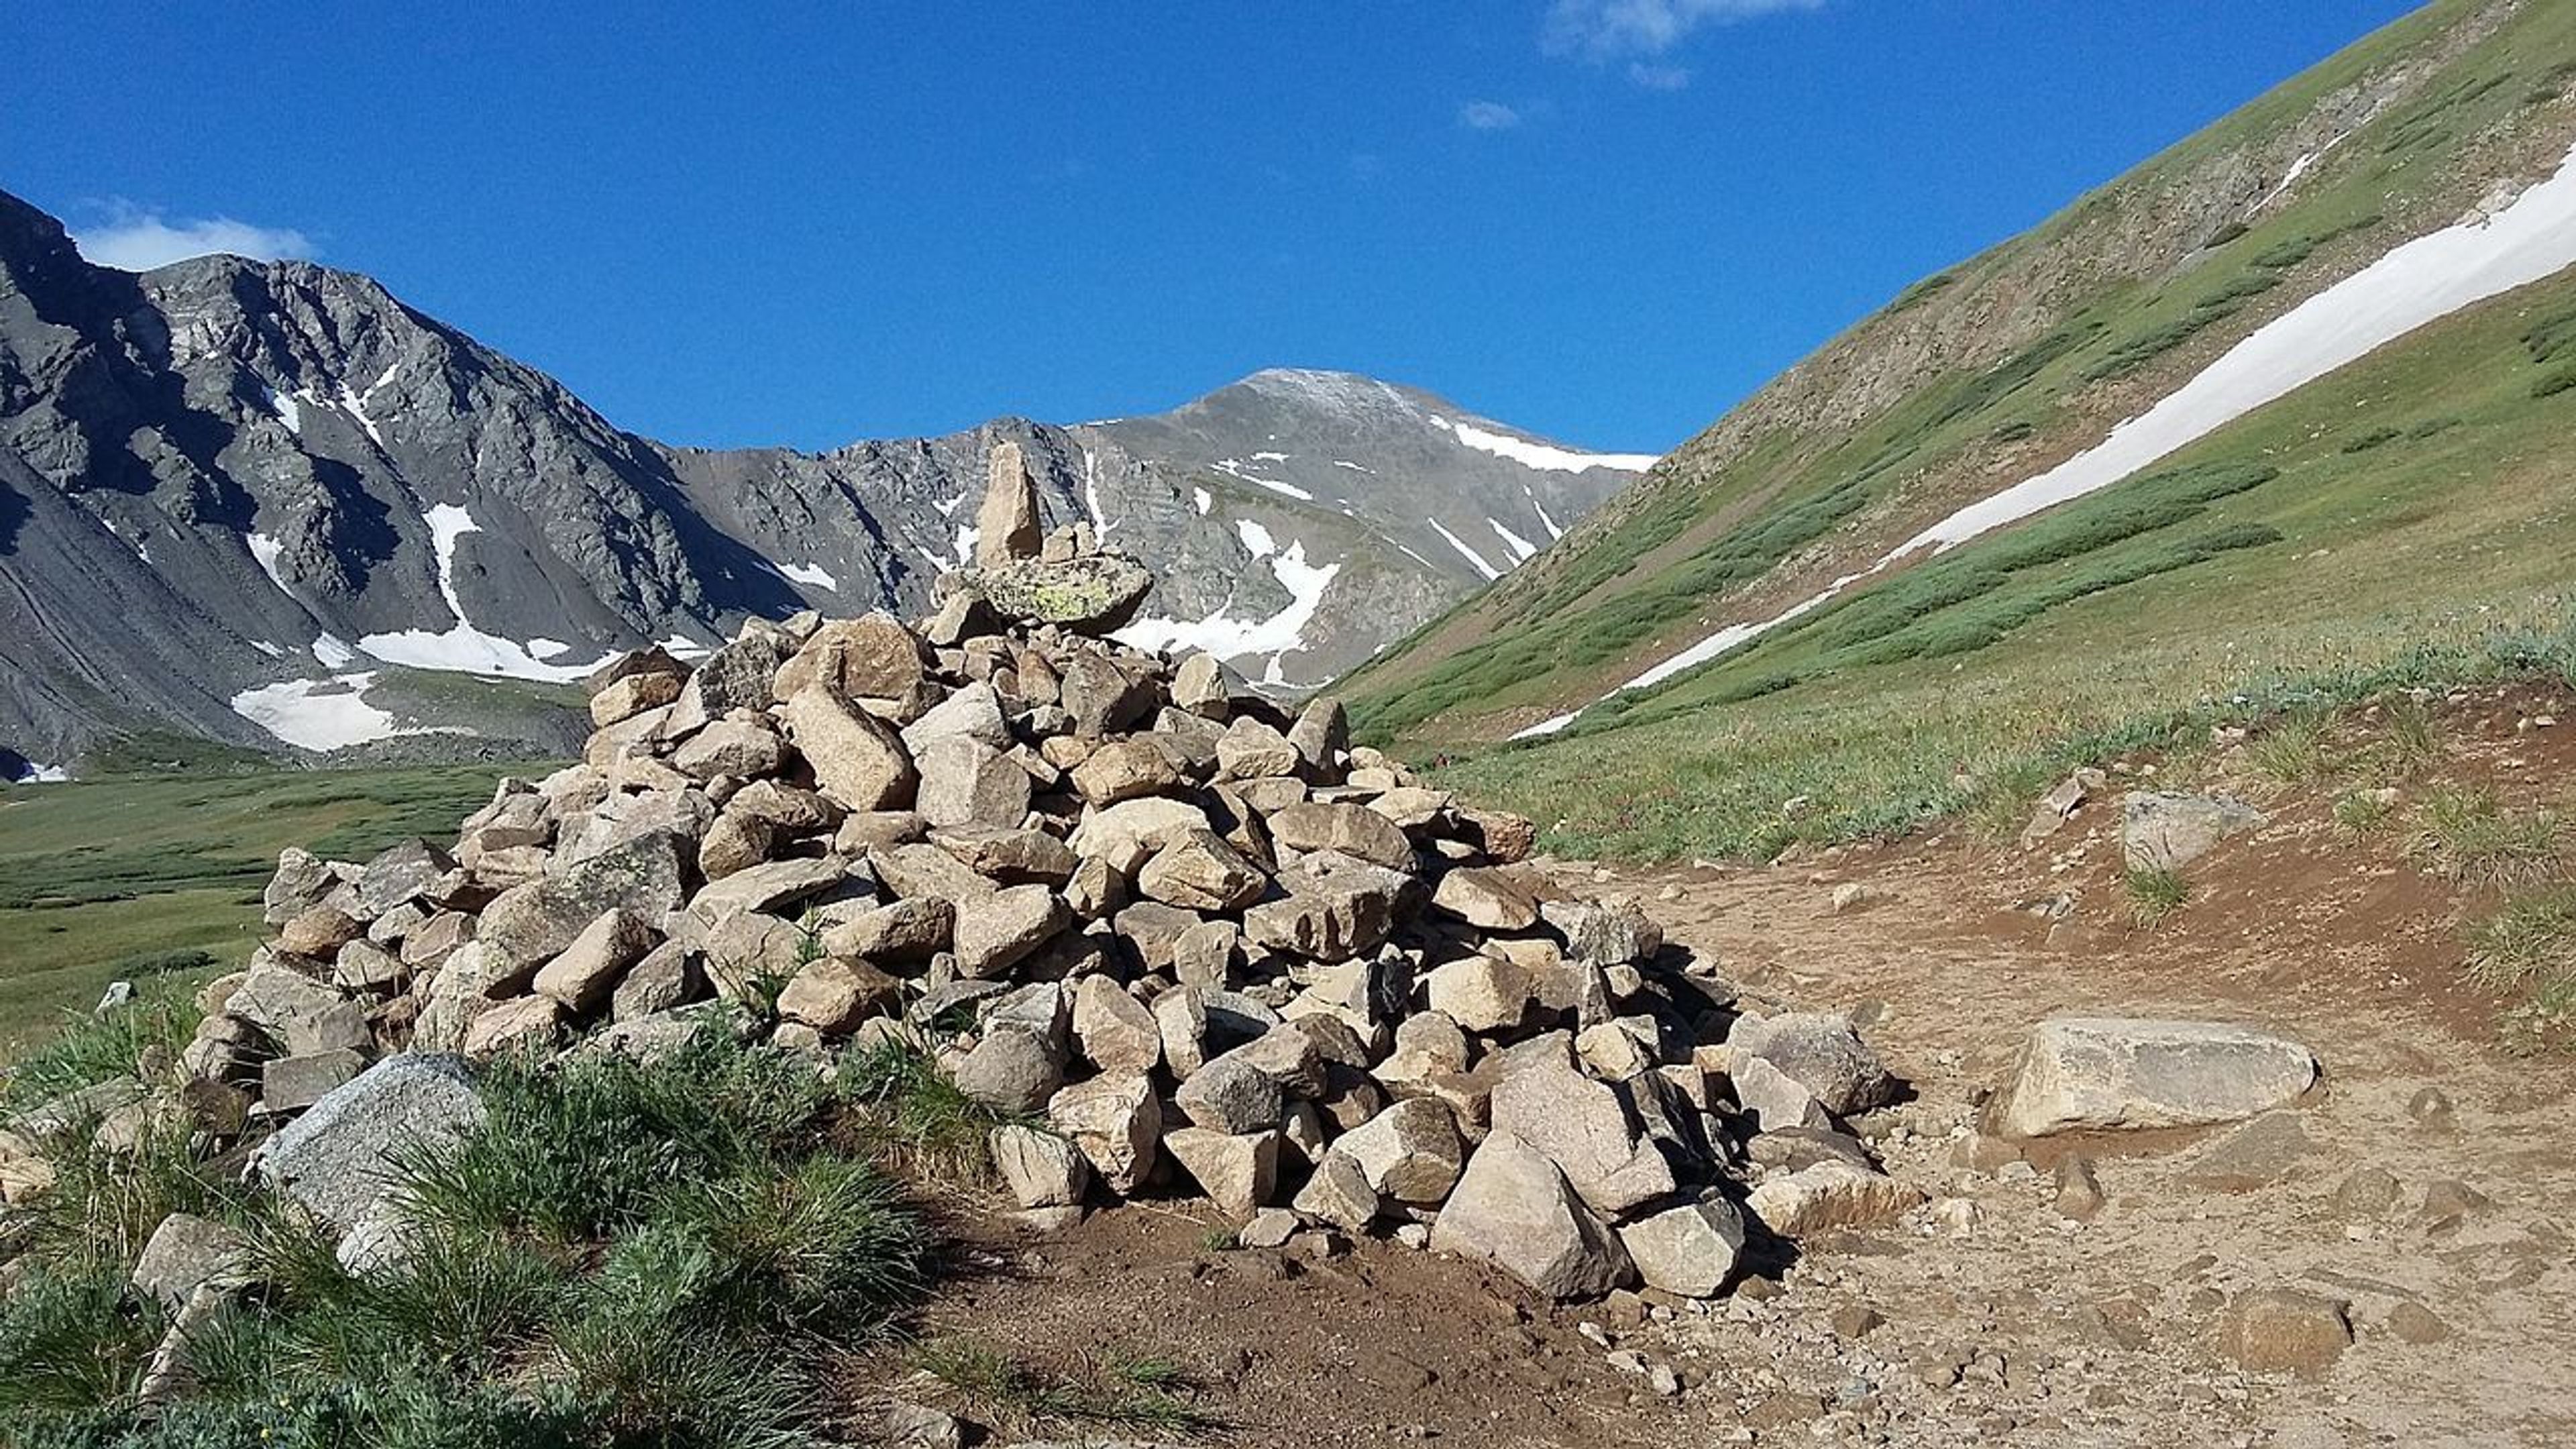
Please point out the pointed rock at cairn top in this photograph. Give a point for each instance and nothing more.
(1007, 525)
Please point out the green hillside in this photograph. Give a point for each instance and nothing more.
(2410, 513)
(148, 875)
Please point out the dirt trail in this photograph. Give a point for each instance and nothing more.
(1989, 1317)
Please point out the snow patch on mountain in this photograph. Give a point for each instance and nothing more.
(269, 553)
(1553, 532)
(1521, 547)
(814, 574)
(1474, 559)
(1230, 638)
(1545, 457)
(319, 714)
(2503, 246)
(333, 651)
(1203, 499)
(462, 649)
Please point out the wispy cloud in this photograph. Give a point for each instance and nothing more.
(1620, 29)
(1488, 116)
(138, 239)
(1659, 77)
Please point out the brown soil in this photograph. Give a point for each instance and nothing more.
(2003, 1322)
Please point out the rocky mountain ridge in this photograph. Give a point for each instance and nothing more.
(267, 504)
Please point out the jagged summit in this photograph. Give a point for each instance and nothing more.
(305, 492)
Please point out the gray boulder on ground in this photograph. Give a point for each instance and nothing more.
(2168, 832)
(1513, 1209)
(337, 1159)
(2109, 1072)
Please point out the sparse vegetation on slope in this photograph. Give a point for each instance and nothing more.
(2030, 352)
(622, 1254)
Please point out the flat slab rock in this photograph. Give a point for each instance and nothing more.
(337, 1159)
(2080, 1073)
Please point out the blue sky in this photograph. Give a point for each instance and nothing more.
(1602, 220)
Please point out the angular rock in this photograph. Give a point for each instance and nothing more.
(833, 994)
(1479, 993)
(531, 923)
(1411, 1152)
(2168, 832)
(1338, 1194)
(291, 1084)
(337, 1159)
(872, 657)
(967, 782)
(301, 1015)
(1250, 749)
(590, 968)
(1007, 856)
(1354, 830)
(747, 749)
(1116, 1122)
(1485, 898)
(1776, 1101)
(1830, 1194)
(1337, 907)
(1003, 928)
(667, 977)
(2109, 1072)
(1116, 1032)
(1513, 1208)
(1039, 1168)
(402, 872)
(1101, 697)
(858, 763)
(1240, 1174)
(529, 1023)
(186, 1253)
(974, 711)
(303, 881)
(1820, 1051)
(901, 932)
(1181, 1021)
(1604, 933)
(1006, 522)
(1690, 1250)
(1196, 870)
(1584, 1127)
(1322, 735)
(1230, 1095)
(1125, 770)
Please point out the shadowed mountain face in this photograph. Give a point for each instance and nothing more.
(247, 501)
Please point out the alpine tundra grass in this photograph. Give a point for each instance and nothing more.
(682, 1251)
(142, 875)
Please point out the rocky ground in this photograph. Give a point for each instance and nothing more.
(2416, 1197)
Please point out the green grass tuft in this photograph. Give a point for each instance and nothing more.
(2466, 835)
(2155, 893)
(1116, 1390)
(2294, 750)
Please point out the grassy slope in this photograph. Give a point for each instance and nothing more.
(1743, 519)
(2419, 500)
(105, 878)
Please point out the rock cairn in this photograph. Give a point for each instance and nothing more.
(1201, 944)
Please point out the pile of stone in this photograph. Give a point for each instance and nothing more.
(1209, 945)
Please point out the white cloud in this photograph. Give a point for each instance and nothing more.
(1488, 116)
(1659, 77)
(138, 240)
(1609, 29)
